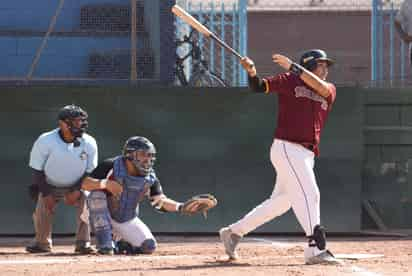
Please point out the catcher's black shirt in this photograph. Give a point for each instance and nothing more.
(104, 168)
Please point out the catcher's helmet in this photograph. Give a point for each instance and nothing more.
(69, 113)
(309, 59)
(130, 151)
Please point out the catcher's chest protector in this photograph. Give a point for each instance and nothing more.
(125, 207)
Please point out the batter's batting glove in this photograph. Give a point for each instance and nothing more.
(249, 66)
(198, 204)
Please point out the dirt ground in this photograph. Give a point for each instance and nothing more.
(177, 255)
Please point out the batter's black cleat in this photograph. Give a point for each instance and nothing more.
(35, 248)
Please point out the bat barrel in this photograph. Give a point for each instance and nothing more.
(202, 29)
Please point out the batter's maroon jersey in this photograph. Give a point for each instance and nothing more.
(302, 112)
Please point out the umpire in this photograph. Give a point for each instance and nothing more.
(59, 160)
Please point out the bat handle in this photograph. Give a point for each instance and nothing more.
(230, 49)
(224, 45)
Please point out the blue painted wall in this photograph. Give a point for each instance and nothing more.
(24, 22)
(36, 15)
(63, 56)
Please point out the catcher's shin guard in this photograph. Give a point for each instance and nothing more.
(100, 219)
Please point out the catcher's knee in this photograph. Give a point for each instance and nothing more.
(148, 246)
(318, 238)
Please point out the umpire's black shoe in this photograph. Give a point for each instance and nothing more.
(105, 251)
(84, 250)
(35, 248)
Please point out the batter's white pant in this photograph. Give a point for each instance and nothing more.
(295, 187)
(133, 231)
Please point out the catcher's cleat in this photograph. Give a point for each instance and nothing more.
(105, 251)
(84, 250)
(322, 257)
(122, 248)
(230, 241)
(36, 248)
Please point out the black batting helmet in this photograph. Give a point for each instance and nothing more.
(139, 143)
(309, 59)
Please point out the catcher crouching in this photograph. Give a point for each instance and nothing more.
(117, 186)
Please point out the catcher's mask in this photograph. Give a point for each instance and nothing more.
(75, 118)
(309, 59)
(141, 152)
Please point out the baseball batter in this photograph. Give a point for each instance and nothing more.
(305, 100)
(117, 186)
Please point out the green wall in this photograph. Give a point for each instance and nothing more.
(208, 140)
(387, 172)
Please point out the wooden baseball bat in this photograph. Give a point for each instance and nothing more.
(186, 17)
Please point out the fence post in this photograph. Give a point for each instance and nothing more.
(243, 37)
(235, 68)
(222, 51)
(212, 29)
(374, 39)
(133, 41)
(391, 41)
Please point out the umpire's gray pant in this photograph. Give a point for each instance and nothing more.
(43, 221)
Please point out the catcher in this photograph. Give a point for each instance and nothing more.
(117, 186)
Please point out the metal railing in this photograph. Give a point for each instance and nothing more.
(389, 53)
(228, 20)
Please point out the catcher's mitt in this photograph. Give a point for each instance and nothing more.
(198, 204)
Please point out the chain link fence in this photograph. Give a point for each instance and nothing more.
(123, 40)
(381, 61)
(228, 20)
(390, 55)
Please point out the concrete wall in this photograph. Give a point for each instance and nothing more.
(208, 141)
(387, 174)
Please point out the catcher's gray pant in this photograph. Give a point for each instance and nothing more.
(295, 187)
(43, 221)
(106, 229)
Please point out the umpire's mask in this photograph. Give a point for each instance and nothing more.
(141, 152)
(75, 118)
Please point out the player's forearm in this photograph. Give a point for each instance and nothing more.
(171, 205)
(91, 184)
(165, 204)
(257, 84)
(320, 86)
